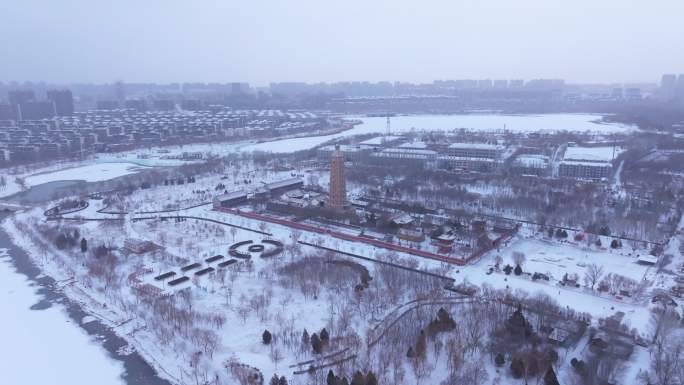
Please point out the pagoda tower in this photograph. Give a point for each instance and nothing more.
(338, 189)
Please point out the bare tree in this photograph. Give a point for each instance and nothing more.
(592, 275)
(667, 362)
(518, 258)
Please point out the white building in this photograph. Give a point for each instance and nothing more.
(476, 150)
(587, 162)
(530, 164)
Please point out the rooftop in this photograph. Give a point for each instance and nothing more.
(231, 195)
(284, 183)
(378, 140)
(479, 146)
(591, 154)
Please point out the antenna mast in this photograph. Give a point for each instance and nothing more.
(388, 125)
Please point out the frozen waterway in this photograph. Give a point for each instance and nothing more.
(475, 122)
(42, 340)
(44, 346)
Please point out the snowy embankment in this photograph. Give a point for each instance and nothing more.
(45, 347)
(90, 302)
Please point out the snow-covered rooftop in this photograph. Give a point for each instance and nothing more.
(392, 151)
(378, 140)
(414, 145)
(532, 160)
(479, 146)
(592, 154)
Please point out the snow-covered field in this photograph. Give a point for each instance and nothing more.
(44, 346)
(554, 259)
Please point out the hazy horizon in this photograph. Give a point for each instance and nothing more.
(77, 41)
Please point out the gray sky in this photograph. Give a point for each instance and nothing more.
(261, 41)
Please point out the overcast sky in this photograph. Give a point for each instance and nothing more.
(260, 41)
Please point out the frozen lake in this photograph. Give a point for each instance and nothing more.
(476, 122)
(45, 346)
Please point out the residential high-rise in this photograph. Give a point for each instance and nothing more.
(120, 92)
(64, 102)
(668, 87)
(17, 97)
(136, 104)
(36, 110)
(338, 190)
(237, 89)
(680, 88)
(9, 112)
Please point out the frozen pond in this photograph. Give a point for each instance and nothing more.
(44, 182)
(90, 173)
(45, 346)
(476, 122)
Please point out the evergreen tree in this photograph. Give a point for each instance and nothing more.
(266, 337)
(305, 337)
(370, 379)
(61, 241)
(316, 343)
(325, 337)
(410, 353)
(552, 356)
(358, 379)
(499, 360)
(84, 245)
(518, 270)
(532, 368)
(550, 377)
(283, 381)
(517, 368)
(443, 316)
(330, 380)
(421, 345)
(274, 380)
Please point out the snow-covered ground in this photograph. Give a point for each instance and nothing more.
(45, 346)
(287, 311)
(554, 259)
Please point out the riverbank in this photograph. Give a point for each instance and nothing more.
(57, 335)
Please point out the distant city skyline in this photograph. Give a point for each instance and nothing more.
(584, 41)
